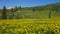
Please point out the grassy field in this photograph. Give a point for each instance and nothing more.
(30, 20)
(31, 23)
(38, 14)
(29, 14)
(30, 26)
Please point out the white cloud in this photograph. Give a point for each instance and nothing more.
(9, 7)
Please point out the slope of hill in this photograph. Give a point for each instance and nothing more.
(34, 12)
(43, 11)
(45, 7)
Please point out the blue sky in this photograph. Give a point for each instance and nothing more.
(26, 3)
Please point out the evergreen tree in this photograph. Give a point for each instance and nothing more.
(12, 14)
(49, 13)
(20, 7)
(4, 13)
(16, 8)
(33, 10)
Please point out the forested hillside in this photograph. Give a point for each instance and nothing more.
(46, 11)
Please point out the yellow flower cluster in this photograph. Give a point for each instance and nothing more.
(30, 26)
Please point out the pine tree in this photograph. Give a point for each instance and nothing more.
(20, 7)
(33, 10)
(4, 13)
(15, 9)
(12, 14)
(49, 13)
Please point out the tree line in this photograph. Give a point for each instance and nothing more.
(50, 8)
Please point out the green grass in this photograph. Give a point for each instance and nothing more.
(41, 14)
(37, 14)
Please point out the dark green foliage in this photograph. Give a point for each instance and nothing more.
(16, 8)
(49, 13)
(55, 7)
(33, 10)
(4, 13)
(19, 8)
(50, 32)
(12, 14)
